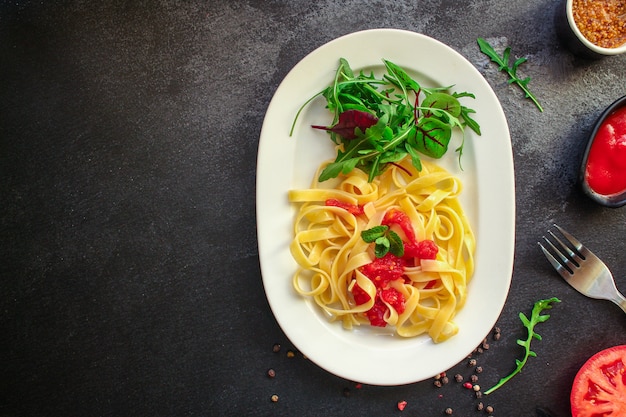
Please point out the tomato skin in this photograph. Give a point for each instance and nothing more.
(599, 388)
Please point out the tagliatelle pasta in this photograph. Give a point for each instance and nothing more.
(340, 271)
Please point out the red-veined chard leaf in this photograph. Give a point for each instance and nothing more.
(349, 120)
(432, 137)
(442, 101)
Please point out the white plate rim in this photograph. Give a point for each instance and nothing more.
(285, 162)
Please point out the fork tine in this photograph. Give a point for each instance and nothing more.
(563, 265)
(563, 271)
(571, 255)
(575, 242)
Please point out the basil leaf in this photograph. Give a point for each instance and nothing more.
(370, 235)
(396, 246)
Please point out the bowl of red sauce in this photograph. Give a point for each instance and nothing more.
(592, 28)
(603, 170)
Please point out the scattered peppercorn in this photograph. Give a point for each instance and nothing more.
(467, 385)
(438, 383)
(445, 380)
(480, 406)
(476, 387)
(496, 333)
(479, 394)
(472, 362)
(489, 409)
(274, 398)
(271, 373)
(458, 378)
(291, 354)
(474, 378)
(448, 411)
(479, 369)
(276, 348)
(485, 345)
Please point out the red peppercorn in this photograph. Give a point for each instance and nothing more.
(401, 405)
(467, 385)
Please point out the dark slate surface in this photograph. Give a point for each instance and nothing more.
(129, 272)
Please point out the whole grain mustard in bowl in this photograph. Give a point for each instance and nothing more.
(592, 28)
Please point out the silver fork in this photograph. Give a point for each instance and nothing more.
(581, 268)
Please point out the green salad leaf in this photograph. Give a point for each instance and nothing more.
(378, 121)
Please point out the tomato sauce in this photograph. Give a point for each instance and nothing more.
(606, 163)
(382, 271)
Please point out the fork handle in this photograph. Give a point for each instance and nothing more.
(620, 300)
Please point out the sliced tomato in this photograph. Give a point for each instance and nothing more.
(599, 388)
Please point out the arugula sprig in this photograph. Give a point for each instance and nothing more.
(503, 63)
(530, 323)
(385, 240)
(379, 121)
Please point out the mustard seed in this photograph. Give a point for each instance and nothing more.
(274, 398)
(601, 22)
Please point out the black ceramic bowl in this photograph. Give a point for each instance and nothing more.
(613, 200)
(574, 40)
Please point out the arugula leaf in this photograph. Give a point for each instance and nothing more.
(535, 318)
(503, 65)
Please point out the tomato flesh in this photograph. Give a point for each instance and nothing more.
(599, 388)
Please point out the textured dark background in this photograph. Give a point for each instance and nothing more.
(129, 273)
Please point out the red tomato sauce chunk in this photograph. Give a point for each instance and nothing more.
(606, 163)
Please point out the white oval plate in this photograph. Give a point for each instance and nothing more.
(369, 355)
